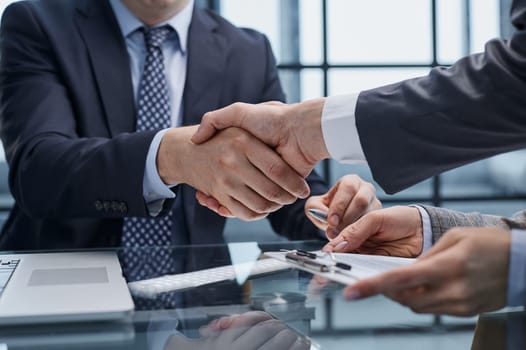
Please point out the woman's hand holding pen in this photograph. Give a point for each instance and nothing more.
(349, 199)
(395, 231)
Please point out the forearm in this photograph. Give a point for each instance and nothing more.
(443, 219)
(56, 176)
(304, 124)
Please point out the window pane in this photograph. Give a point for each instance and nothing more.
(451, 33)
(379, 31)
(301, 85)
(504, 208)
(260, 15)
(347, 80)
(311, 83)
(421, 191)
(4, 4)
(500, 175)
(484, 23)
(310, 31)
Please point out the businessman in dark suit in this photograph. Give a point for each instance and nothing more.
(70, 88)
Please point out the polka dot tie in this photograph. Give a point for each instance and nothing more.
(153, 113)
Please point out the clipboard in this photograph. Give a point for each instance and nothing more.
(344, 268)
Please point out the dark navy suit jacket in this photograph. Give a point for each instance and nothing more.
(68, 118)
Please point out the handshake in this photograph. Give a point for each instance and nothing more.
(246, 160)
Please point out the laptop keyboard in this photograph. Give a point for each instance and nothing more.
(7, 267)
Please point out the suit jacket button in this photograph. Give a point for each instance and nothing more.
(106, 205)
(123, 208)
(98, 205)
(114, 206)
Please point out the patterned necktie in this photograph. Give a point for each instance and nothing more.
(153, 114)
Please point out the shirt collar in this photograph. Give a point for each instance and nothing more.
(129, 23)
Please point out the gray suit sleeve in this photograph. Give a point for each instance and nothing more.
(443, 219)
(421, 127)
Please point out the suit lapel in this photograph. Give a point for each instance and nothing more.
(205, 68)
(207, 52)
(110, 62)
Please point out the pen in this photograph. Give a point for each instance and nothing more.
(339, 264)
(319, 215)
(307, 262)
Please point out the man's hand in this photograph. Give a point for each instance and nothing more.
(395, 231)
(246, 176)
(294, 131)
(345, 202)
(463, 274)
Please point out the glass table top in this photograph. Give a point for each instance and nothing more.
(287, 309)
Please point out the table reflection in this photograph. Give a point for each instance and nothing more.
(250, 330)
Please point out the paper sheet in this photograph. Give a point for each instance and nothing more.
(363, 266)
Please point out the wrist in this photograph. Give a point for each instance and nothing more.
(307, 129)
(175, 146)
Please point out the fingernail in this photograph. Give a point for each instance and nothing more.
(327, 248)
(351, 294)
(214, 325)
(341, 245)
(225, 323)
(334, 220)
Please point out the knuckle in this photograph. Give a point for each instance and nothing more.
(206, 118)
(224, 182)
(239, 138)
(350, 178)
(227, 161)
(263, 207)
(360, 203)
(276, 195)
(371, 187)
(237, 107)
(276, 170)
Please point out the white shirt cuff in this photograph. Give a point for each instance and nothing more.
(516, 295)
(427, 232)
(339, 129)
(155, 191)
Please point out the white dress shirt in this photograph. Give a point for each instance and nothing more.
(155, 191)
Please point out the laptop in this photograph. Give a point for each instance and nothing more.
(62, 287)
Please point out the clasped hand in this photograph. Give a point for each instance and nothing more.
(235, 173)
(292, 131)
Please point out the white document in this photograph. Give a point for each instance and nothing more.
(362, 265)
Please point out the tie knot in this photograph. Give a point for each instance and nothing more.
(154, 37)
